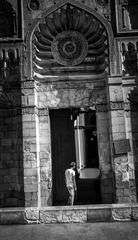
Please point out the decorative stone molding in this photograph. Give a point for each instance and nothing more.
(29, 110)
(69, 48)
(116, 105)
(66, 38)
(101, 108)
(28, 84)
(56, 10)
(43, 112)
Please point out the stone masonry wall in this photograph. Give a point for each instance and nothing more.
(123, 162)
(66, 95)
(45, 159)
(31, 164)
(131, 118)
(107, 182)
(11, 161)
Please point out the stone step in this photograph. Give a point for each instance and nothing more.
(68, 214)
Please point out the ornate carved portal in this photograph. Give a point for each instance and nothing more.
(67, 41)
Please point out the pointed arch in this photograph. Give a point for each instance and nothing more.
(104, 23)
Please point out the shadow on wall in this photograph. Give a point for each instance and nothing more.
(133, 97)
(11, 137)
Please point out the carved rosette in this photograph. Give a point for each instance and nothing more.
(69, 48)
(68, 41)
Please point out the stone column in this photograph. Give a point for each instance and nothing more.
(107, 189)
(45, 158)
(120, 159)
(30, 125)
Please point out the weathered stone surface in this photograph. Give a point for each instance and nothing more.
(121, 213)
(76, 215)
(32, 215)
(115, 93)
(99, 214)
(12, 217)
(49, 216)
(135, 212)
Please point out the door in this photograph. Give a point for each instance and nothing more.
(63, 151)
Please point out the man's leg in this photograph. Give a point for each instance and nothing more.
(71, 197)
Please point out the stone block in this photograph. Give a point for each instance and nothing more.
(75, 215)
(27, 118)
(119, 135)
(33, 147)
(121, 213)
(29, 125)
(117, 113)
(44, 146)
(32, 215)
(30, 164)
(44, 139)
(30, 180)
(30, 172)
(31, 100)
(31, 203)
(115, 93)
(50, 216)
(12, 217)
(31, 188)
(135, 212)
(118, 128)
(28, 196)
(43, 119)
(99, 215)
(102, 116)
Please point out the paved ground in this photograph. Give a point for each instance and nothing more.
(71, 231)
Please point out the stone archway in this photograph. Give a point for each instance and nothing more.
(69, 56)
(85, 24)
(69, 41)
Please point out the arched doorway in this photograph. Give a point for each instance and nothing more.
(70, 62)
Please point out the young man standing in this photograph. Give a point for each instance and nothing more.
(71, 182)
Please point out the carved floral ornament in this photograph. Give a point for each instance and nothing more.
(71, 40)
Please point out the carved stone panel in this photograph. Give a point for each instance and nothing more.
(69, 41)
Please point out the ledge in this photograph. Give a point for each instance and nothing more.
(68, 214)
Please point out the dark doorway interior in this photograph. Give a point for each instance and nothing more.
(64, 152)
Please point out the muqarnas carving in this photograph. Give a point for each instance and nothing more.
(69, 39)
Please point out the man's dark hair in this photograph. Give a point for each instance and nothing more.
(72, 164)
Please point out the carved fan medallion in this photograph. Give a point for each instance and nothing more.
(69, 40)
